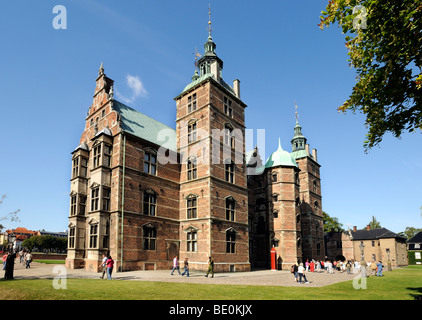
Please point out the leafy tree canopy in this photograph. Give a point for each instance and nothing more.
(331, 224)
(384, 41)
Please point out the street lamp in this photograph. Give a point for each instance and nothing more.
(362, 260)
(388, 261)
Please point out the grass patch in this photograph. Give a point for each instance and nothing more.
(400, 284)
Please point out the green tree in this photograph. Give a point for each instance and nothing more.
(384, 40)
(374, 224)
(331, 224)
(410, 232)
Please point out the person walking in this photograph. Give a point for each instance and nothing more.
(379, 269)
(28, 259)
(175, 266)
(186, 266)
(210, 267)
(109, 265)
(301, 273)
(294, 271)
(103, 266)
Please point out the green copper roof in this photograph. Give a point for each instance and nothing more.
(198, 80)
(299, 154)
(144, 127)
(280, 158)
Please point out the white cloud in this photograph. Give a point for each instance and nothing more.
(137, 87)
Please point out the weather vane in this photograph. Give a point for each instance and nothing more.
(197, 55)
(296, 115)
(209, 20)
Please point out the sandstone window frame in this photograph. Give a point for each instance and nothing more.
(231, 240)
(228, 109)
(192, 240)
(230, 208)
(149, 237)
(93, 235)
(192, 103)
(229, 171)
(229, 137)
(192, 206)
(72, 237)
(191, 168)
(105, 198)
(150, 162)
(149, 206)
(79, 167)
(96, 157)
(192, 130)
(95, 197)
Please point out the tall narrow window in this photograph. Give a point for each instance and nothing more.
(106, 235)
(150, 203)
(75, 167)
(192, 103)
(149, 238)
(228, 107)
(230, 241)
(72, 235)
(83, 167)
(97, 156)
(230, 209)
(73, 204)
(229, 169)
(192, 132)
(107, 155)
(192, 171)
(191, 204)
(95, 197)
(82, 205)
(150, 163)
(315, 186)
(229, 136)
(192, 242)
(106, 198)
(93, 235)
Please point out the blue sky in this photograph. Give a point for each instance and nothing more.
(276, 50)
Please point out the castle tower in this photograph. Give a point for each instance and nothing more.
(210, 129)
(283, 193)
(310, 196)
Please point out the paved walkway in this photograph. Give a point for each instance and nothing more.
(264, 277)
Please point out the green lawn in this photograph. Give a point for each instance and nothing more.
(400, 284)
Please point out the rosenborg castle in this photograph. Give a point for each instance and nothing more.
(144, 193)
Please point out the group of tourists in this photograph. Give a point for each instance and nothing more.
(350, 267)
(176, 266)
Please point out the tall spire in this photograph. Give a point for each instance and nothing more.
(298, 141)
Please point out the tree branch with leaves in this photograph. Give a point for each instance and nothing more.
(384, 42)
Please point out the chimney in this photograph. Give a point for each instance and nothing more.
(368, 227)
(314, 154)
(236, 87)
(307, 149)
(355, 228)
